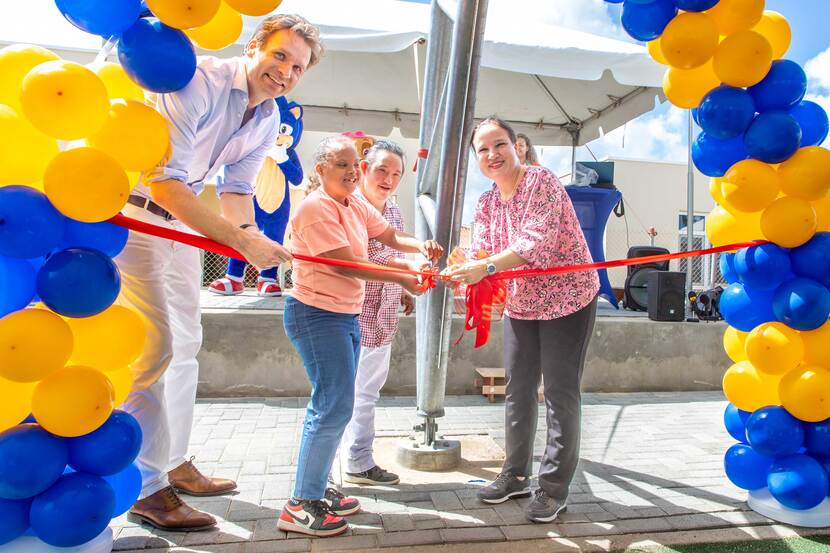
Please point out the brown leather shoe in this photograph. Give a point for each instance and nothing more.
(166, 511)
(187, 479)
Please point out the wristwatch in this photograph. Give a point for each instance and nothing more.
(490, 267)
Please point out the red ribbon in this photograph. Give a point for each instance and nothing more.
(480, 297)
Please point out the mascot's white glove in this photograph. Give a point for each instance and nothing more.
(278, 154)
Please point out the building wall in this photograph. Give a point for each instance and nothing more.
(655, 194)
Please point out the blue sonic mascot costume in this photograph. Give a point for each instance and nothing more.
(272, 201)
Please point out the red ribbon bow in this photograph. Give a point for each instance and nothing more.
(480, 299)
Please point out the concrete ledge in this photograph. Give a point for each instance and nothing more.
(246, 353)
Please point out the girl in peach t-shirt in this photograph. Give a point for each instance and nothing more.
(321, 320)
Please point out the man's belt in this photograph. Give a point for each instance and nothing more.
(151, 206)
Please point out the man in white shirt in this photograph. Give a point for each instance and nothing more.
(221, 124)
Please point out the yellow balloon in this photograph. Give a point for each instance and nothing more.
(715, 191)
(822, 208)
(656, 52)
(734, 344)
(743, 59)
(685, 88)
(73, 401)
(690, 40)
(118, 84)
(750, 389)
(24, 151)
(134, 177)
(805, 393)
(817, 346)
(86, 184)
(806, 174)
(776, 30)
(789, 222)
(220, 32)
(122, 384)
(774, 348)
(15, 61)
(254, 7)
(15, 402)
(723, 227)
(732, 16)
(184, 14)
(749, 185)
(64, 100)
(33, 344)
(109, 340)
(135, 135)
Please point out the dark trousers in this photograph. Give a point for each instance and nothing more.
(554, 348)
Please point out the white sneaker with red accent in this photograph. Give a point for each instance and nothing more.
(313, 518)
(268, 288)
(227, 286)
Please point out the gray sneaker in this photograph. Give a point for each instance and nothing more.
(504, 487)
(544, 508)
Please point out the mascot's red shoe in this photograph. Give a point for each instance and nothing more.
(268, 288)
(227, 286)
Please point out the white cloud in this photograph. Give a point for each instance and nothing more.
(818, 82)
(590, 16)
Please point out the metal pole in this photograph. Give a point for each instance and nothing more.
(460, 99)
(690, 215)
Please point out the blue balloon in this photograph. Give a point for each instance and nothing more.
(798, 482)
(31, 460)
(110, 18)
(773, 432)
(782, 89)
(746, 468)
(108, 450)
(763, 267)
(773, 137)
(802, 304)
(745, 308)
(78, 282)
(696, 115)
(726, 264)
(695, 5)
(726, 112)
(813, 121)
(127, 487)
(817, 437)
(812, 260)
(148, 41)
(105, 237)
(14, 518)
(735, 422)
(614, 1)
(714, 157)
(17, 284)
(647, 21)
(29, 225)
(73, 511)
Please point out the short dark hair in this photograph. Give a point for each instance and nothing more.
(384, 145)
(499, 122)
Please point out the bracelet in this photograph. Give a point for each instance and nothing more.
(243, 226)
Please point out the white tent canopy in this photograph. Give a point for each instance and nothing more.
(548, 81)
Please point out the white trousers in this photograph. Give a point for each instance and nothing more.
(372, 370)
(161, 280)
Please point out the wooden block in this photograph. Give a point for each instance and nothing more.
(490, 372)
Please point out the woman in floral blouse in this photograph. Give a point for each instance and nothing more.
(527, 220)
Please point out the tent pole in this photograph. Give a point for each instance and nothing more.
(690, 213)
(459, 100)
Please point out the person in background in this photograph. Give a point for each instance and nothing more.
(382, 171)
(321, 320)
(526, 151)
(527, 220)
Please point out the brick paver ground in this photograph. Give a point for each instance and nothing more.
(651, 467)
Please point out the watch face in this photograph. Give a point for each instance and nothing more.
(491, 269)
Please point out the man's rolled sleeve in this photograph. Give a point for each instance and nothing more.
(239, 177)
(182, 109)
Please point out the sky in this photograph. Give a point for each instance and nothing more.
(662, 133)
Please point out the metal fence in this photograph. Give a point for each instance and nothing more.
(214, 266)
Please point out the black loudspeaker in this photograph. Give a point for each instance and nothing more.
(666, 296)
(636, 282)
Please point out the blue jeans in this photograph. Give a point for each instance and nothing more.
(329, 344)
